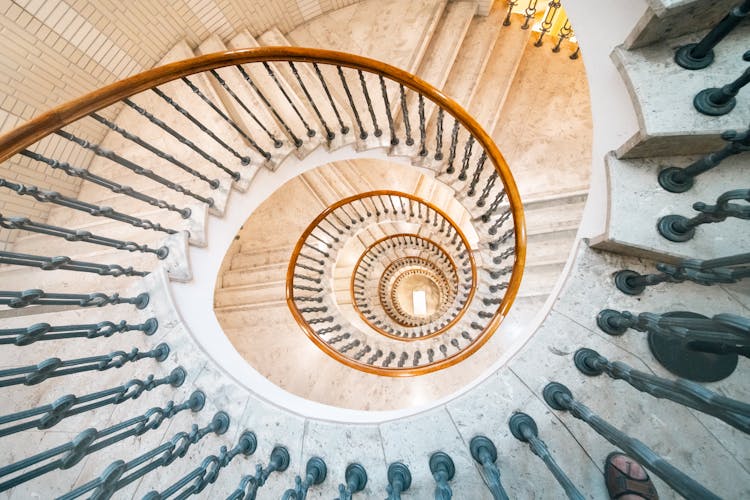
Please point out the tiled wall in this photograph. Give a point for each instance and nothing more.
(56, 50)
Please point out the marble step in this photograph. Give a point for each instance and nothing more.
(669, 124)
(668, 19)
(540, 279)
(250, 295)
(558, 213)
(255, 275)
(261, 257)
(261, 126)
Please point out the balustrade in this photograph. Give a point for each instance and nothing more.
(700, 55)
(678, 228)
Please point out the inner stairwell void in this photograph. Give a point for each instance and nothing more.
(165, 327)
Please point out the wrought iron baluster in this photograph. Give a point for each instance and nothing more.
(422, 128)
(329, 133)
(467, 157)
(560, 398)
(344, 129)
(362, 133)
(366, 93)
(40, 297)
(439, 135)
(547, 22)
(399, 480)
(66, 263)
(297, 141)
(511, 5)
(684, 392)
(45, 331)
(249, 485)
(529, 14)
(55, 367)
(477, 173)
(182, 139)
(310, 132)
(483, 451)
(405, 115)
(214, 183)
(208, 471)
(137, 169)
(566, 31)
(114, 477)
(719, 101)
(679, 180)
(576, 53)
(26, 224)
(315, 473)
(106, 183)
(356, 480)
(443, 470)
(389, 115)
(92, 440)
(69, 405)
(228, 120)
(276, 142)
(192, 119)
(700, 55)
(499, 222)
(523, 428)
(491, 180)
(679, 229)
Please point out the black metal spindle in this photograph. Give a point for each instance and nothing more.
(214, 183)
(719, 101)
(511, 5)
(315, 473)
(422, 128)
(106, 183)
(55, 367)
(566, 31)
(529, 14)
(25, 224)
(453, 146)
(439, 135)
(362, 133)
(560, 398)
(253, 143)
(549, 18)
(477, 174)
(310, 132)
(208, 471)
(443, 470)
(483, 451)
(48, 416)
(491, 180)
(700, 55)
(249, 485)
(92, 440)
(118, 475)
(355, 477)
(679, 180)
(344, 129)
(182, 139)
(67, 264)
(330, 135)
(45, 331)
(678, 228)
(405, 115)
(523, 428)
(378, 132)
(576, 53)
(133, 167)
(467, 156)
(399, 480)
(40, 297)
(388, 113)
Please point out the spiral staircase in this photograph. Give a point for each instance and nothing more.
(239, 259)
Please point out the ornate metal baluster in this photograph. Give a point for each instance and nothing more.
(55, 367)
(566, 30)
(405, 115)
(700, 55)
(422, 128)
(576, 53)
(704, 272)
(214, 183)
(356, 480)
(499, 222)
(483, 451)
(362, 133)
(467, 157)
(39, 297)
(439, 135)
(399, 480)
(549, 18)
(477, 173)
(678, 228)
(329, 133)
(719, 101)
(137, 169)
(523, 428)
(443, 470)
(315, 473)
(113, 478)
(228, 120)
(249, 485)
(529, 14)
(679, 180)
(92, 440)
(511, 4)
(491, 180)
(66, 263)
(560, 398)
(276, 142)
(106, 183)
(182, 139)
(389, 115)
(79, 235)
(208, 471)
(184, 112)
(363, 84)
(344, 129)
(297, 141)
(684, 392)
(63, 407)
(310, 132)
(44, 331)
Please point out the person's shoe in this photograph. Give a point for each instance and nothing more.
(626, 479)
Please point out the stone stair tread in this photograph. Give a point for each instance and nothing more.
(260, 274)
